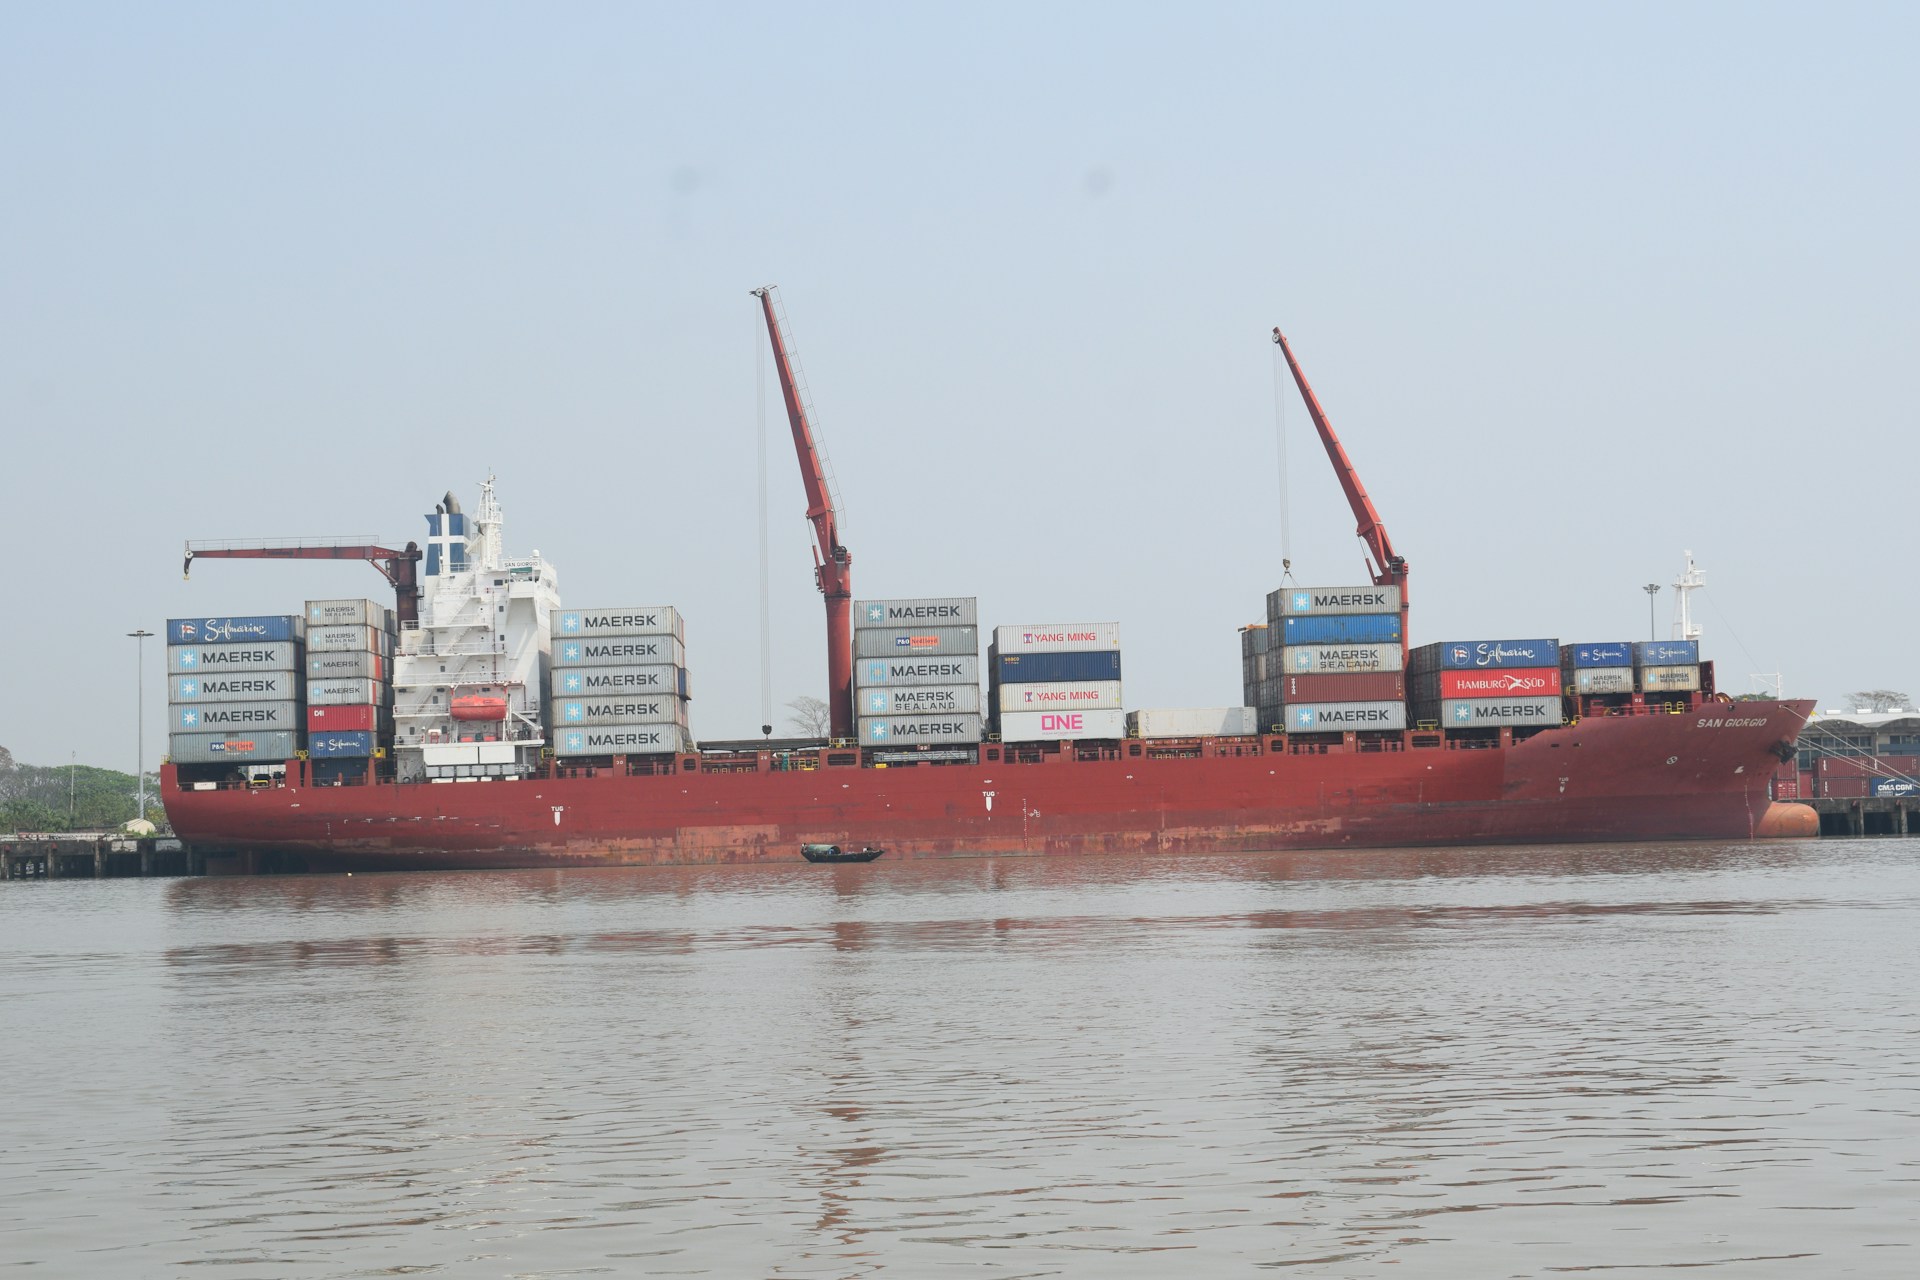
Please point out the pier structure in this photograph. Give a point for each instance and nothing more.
(92, 856)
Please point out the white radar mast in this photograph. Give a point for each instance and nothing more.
(483, 549)
(1684, 627)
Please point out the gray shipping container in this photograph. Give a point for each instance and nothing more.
(241, 717)
(349, 639)
(1192, 722)
(1313, 601)
(620, 651)
(1336, 659)
(622, 740)
(233, 748)
(1669, 679)
(660, 708)
(901, 731)
(601, 682)
(932, 611)
(910, 642)
(920, 700)
(1592, 680)
(347, 613)
(1340, 717)
(348, 693)
(633, 620)
(956, 668)
(1475, 713)
(277, 655)
(234, 686)
(349, 666)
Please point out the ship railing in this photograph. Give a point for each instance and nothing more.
(424, 647)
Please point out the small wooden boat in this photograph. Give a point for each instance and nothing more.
(834, 853)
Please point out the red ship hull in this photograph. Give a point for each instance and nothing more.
(1701, 775)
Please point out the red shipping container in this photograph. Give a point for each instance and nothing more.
(342, 719)
(1528, 682)
(1845, 788)
(1350, 686)
(1865, 766)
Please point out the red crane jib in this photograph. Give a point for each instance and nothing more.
(401, 568)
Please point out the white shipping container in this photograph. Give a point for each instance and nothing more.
(904, 731)
(1669, 679)
(346, 613)
(276, 655)
(362, 665)
(1473, 713)
(601, 682)
(620, 651)
(1061, 695)
(637, 620)
(1061, 726)
(232, 748)
(349, 639)
(953, 668)
(1332, 659)
(1297, 602)
(632, 709)
(1192, 722)
(1594, 680)
(1057, 637)
(907, 642)
(348, 693)
(248, 717)
(234, 686)
(932, 611)
(919, 700)
(623, 740)
(1329, 717)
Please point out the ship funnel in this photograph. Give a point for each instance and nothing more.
(452, 504)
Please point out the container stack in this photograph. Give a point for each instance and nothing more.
(349, 671)
(1601, 669)
(1667, 666)
(1259, 664)
(619, 682)
(1052, 682)
(235, 689)
(1486, 684)
(1342, 654)
(916, 671)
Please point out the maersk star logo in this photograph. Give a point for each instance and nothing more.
(1304, 717)
(1303, 661)
(876, 671)
(569, 622)
(189, 688)
(576, 741)
(570, 652)
(877, 732)
(876, 613)
(876, 702)
(1463, 714)
(189, 658)
(572, 682)
(572, 711)
(1302, 601)
(188, 719)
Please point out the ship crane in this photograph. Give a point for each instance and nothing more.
(832, 562)
(401, 568)
(1387, 568)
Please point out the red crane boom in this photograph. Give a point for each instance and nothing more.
(1387, 568)
(401, 568)
(832, 562)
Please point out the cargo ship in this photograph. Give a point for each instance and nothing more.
(481, 724)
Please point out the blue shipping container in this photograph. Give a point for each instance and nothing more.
(1616, 653)
(1893, 787)
(1352, 628)
(1471, 655)
(270, 628)
(1035, 668)
(340, 744)
(1666, 653)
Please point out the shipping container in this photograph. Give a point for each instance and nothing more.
(349, 613)
(345, 719)
(1342, 628)
(237, 630)
(639, 708)
(1519, 682)
(349, 639)
(1474, 713)
(638, 620)
(1844, 788)
(881, 642)
(347, 693)
(1192, 722)
(282, 655)
(1666, 653)
(625, 651)
(1036, 668)
(1354, 686)
(880, 731)
(1329, 659)
(233, 748)
(1669, 679)
(340, 744)
(623, 740)
(1255, 639)
(601, 682)
(1593, 681)
(1895, 787)
(934, 611)
(348, 666)
(1061, 726)
(1320, 601)
(235, 686)
(249, 716)
(1056, 637)
(1075, 695)
(1457, 655)
(959, 668)
(1866, 766)
(1616, 653)
(920, 700)
(1328, 717)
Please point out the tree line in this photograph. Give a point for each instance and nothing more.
(70, 797)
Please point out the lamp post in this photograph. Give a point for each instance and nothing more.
(140, 712)
(1652, 589)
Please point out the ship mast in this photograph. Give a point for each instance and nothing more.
(832, 562)
(1684, 627)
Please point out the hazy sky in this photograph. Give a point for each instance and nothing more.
(1582, 286)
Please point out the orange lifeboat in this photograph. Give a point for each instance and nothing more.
(478, 707)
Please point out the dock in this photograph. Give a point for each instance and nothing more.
(1878, 816)
(95, 857)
